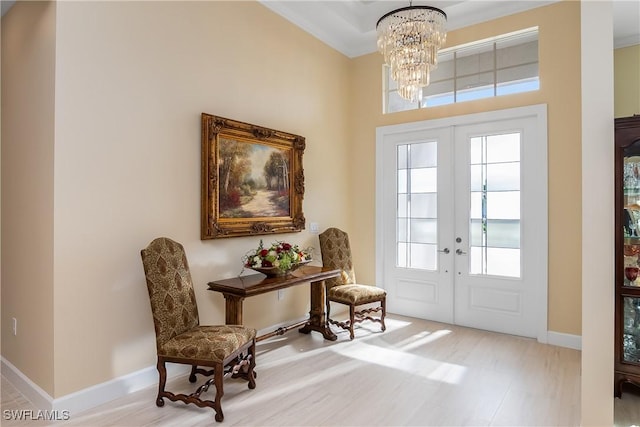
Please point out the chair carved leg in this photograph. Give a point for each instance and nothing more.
(383, 304)
(252, 365)
(218, 377)
(352, 320)
(162, 371)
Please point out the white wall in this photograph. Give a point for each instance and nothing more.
(597, 215)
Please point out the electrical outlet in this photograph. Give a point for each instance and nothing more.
(14, 325)
(314, 228)
(280, 294)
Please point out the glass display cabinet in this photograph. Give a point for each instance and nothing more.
(627, 263)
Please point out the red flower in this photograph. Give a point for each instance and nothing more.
(286, 246)
(264, 252)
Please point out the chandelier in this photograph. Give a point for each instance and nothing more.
(409, 38)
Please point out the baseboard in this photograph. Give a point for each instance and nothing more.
(89, 397)
(98, 394)
(29, 389)
(107, 391)
(564, 340)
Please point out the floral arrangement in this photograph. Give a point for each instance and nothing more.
(281, 255)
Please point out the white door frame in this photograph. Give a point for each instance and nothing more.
(539, 150)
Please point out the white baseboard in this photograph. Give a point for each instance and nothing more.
(564, 340)
(29, 389)
(104, 392)
(98, 394)
(89, 397)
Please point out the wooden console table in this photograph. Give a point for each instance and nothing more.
(236, 289)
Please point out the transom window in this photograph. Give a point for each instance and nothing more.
(497, 66)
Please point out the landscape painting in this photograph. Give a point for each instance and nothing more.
(252, 179)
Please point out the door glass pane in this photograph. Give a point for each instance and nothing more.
(476, 232)
(403, 230)
(503, 148)
(494, 217)
(423, 155)
(424, 205)
(417, 209)
(402, 156)
(402, 205)
(503, 233)
(477, 177)
(502, 176)
(631, 325)
(401, 260)
(503, 262)
(424, 180)
(423, 256)
(503, 204)
(402, 181)
(423, 230)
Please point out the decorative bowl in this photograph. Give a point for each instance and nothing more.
(276, 271)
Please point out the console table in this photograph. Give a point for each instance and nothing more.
(236, 289)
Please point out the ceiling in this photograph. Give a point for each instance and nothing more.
(349, 25)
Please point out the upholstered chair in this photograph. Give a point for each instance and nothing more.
(227, 349)
(336, 253)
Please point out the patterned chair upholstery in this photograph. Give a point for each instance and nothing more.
(336, 253)
(179, 336)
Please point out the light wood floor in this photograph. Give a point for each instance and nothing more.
(416, 373)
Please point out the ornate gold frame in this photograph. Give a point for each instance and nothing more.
(216, 226)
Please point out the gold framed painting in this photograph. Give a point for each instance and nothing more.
(252, 179)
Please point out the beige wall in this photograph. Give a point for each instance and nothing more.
(627, 81)
(28, 64)
(131, 81)
(559, 56)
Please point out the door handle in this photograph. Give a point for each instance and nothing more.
(445, 250)
(460, 252)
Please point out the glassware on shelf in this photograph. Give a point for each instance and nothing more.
(631, 180)
(631, 336)
(631, 273)
(631, 265)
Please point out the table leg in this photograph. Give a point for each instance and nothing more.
(232, 309)
(317, 316)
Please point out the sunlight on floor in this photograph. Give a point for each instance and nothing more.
(434, 370)
(422, 338)
(303, 385)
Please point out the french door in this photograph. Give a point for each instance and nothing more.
(462, 220)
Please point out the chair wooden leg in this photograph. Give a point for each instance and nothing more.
(162, 371)
(218, 377)
(352, 319)
(383, 304)
(192, 377)
(252, 364)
